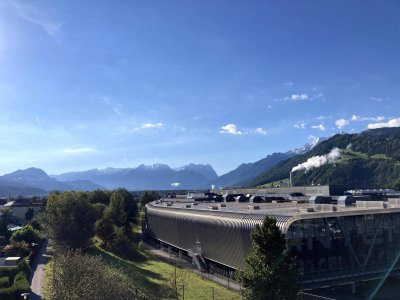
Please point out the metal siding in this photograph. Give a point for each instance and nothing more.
(224, 236)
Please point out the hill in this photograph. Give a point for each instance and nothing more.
(34, 181)
(247, 172)
(243, 174)
(370, 159)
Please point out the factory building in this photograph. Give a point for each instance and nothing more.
(337, 240)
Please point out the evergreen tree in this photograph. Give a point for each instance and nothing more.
(270, 272)
(104, 228)
(29, 214)
(147, 197)
(117, 207)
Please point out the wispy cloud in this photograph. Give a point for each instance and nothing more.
(39, 124)
(341, 123)
(33, 15)
(149, 126)
(390, 123)
(300, 125)
(375, 119)
(323, 117)
(79, 150)
(288, 84)
(259, 131)
(296, 97)
(320, 127)
(231, 129)
(377, 99)
(116, 107)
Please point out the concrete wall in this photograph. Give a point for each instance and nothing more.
(20, 211)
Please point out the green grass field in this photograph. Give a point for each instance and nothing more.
(154, 277)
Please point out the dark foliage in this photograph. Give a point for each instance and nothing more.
(147, 197)
(270, 272)
(377, 164)
(69, 219)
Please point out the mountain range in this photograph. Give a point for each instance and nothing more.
(35, 181)
(370, 159)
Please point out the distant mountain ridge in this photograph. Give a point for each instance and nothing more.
(143, 177)
(245, 173)
(34, 181)
(156, 176)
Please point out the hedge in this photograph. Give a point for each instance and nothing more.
(19, 276)
(20, 285)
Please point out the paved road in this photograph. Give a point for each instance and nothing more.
(38, 270)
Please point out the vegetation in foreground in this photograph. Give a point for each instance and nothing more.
(161, 280)
(271, 272)
(21, 243)
(73, 220)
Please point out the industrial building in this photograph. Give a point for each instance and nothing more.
(337, 240)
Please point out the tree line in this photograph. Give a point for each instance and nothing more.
(71, 220)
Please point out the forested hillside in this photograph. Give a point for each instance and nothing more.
(370, 159)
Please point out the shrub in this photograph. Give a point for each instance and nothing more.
(80, 276)
(20, 285)
(17, 249)
(35, 223)
(9, 272)
(27, 234)
(4, 282)
(24, 267)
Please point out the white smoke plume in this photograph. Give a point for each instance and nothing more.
(318, 161)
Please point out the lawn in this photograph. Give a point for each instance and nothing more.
(155, 278)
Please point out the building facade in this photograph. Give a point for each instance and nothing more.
(333, 244)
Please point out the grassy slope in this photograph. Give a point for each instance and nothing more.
(152, 277)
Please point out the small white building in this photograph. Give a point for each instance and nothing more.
(19, 207)
(12, 261)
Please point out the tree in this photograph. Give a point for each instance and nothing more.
(104, 228)
(29, 214)
(117, 208)
(100, 196)
(3, 226)
(69, 219)
(123, 207)
(27, 234)
(271, 272)
(81, 276)
(147, 197)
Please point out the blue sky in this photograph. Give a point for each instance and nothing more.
(92, 84)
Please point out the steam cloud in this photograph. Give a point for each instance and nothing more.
(318, 161)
